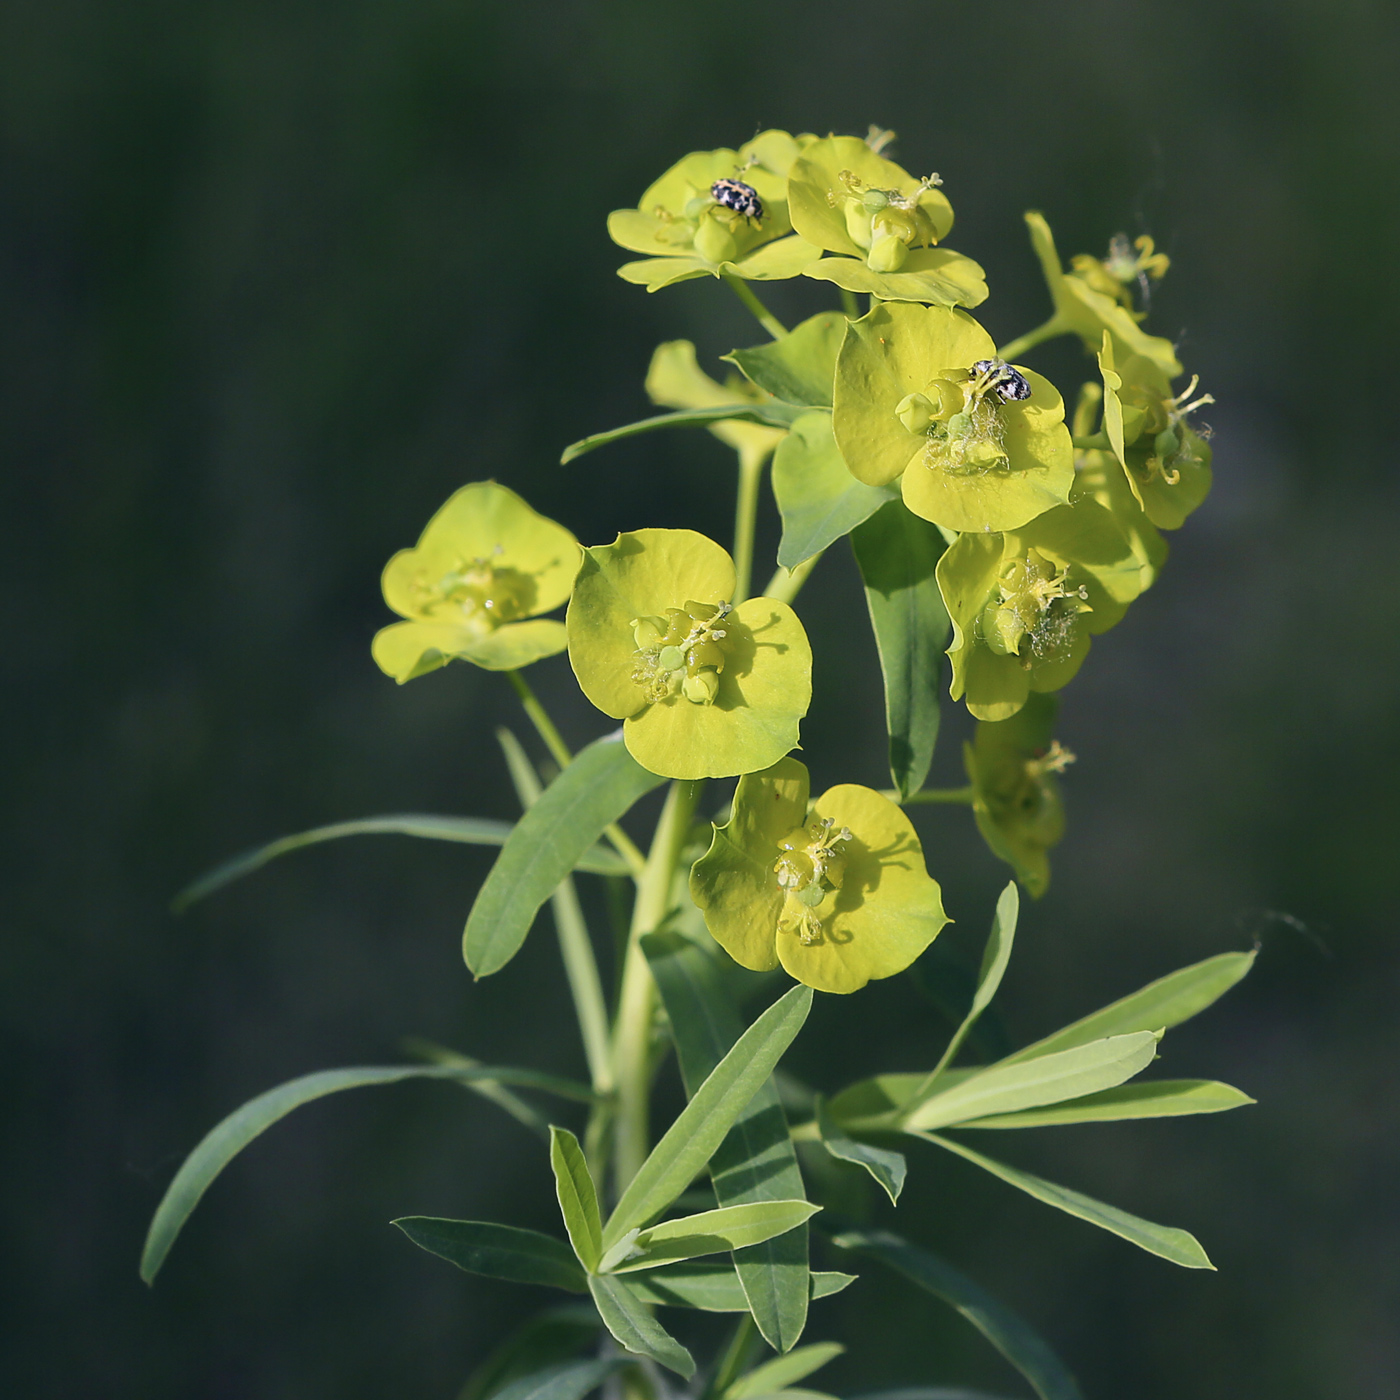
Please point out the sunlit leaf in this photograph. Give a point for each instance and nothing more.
(625, 1315)
(578, 1197)
(1159, 1098)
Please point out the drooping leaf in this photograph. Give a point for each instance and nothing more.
(756, 1161)
(578, 1197)
(602, 782)
(497, 1251)
(775, 415)
(709, 1232)
(887, 1167)
(1160, 1005)
(1178, 1246)
(691, 1140)
(625, 1315)
(710, 1286)
(226, 1140)
(818, 498)
(783, 1371)
(471, 831)
(897, 553)
(799, 367)
(1069, 1074)
(1159, 1098)
(570, 1380)
(1003, 1327)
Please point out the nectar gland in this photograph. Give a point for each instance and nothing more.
(682, 653)
(810, 867)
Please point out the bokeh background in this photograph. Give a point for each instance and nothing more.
(279, 277)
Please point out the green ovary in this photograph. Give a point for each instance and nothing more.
(477, 594)
(1033, 616)
(810, 868)
(682, 653)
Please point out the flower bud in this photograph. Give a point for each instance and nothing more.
(917, 412)
(887, 253)
(701, 688)
(648, 631)
(713, 241)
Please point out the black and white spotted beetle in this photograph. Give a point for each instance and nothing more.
(1007, 383)
(736, 195)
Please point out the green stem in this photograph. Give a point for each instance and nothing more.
(1016, 348)
(786, 584)
(736, 1356)
(762, 314)
(637, 1000)
(745, 515)
(964, 795)
(849, 304)
(1093, 442)
(559, 751)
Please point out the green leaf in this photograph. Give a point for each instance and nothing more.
(710, 1286)
(775, 415)
(1178, 1246)
(225, 1141)
(571, 1380)
(897, 553)
(578, 1197)
(691, 1140)
(783, 1371)
(799, 367)
(1004, 1328)
(1069, 1074)
(888, 1168)
(1162, 1004)
(818, 498)
(756, 1161)
(929, 1392)
(551, 1338)
(625, 1316)
(497, 1251)
(709, 1232)
(1160, 1098)
(472, 831)
(602, 782)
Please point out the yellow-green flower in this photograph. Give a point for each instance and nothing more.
(474, 584)
(1024, 603)
(881, 223)
(1013, 767)
(1167, 464)
(1084, 309)
(705, 689)
(716, 212)
(1126, 264)
(838, 895)
(982, 445)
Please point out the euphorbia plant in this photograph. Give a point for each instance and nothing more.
(985, 527)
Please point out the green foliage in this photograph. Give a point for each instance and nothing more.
(497, 1251)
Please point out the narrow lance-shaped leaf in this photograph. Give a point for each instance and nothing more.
(775, 415)
(602, 782)
(709, 1232)
(783, 1371)
(887, 1167)
(626, 1317)
(497, 1251)
(1002, 1326)
(710, 1286)
(550, 1338)
(569, 1380)
(1158, 1098)
(578, 1197)
(226, 1140)
(1086, 1069)
(471, 831)
(897, 553)
(756, 1161)
(691, 1140)
(1162, 1004)
(1178, 1246)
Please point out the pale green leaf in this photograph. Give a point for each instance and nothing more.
(799, 367)
(1002, 1326)
(497, 1251)
(1171, 1243)
(783, 1371)
(710, 1286)
(625, 1315)
(578, 1197)
(1160, 1098)
(887, 1167)
(711, 1232)
(602, 782)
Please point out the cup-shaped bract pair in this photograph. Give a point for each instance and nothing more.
(837, 894)
(1084, 309)
(981, 444)
(716, 212)
(705, 689)
(472, 588)
(1167, 463)
(881, 225)
(1025, 602)
(1014, 769)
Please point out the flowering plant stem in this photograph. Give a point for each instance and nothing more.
(765, 317)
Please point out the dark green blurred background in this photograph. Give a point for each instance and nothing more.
(278, 277)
